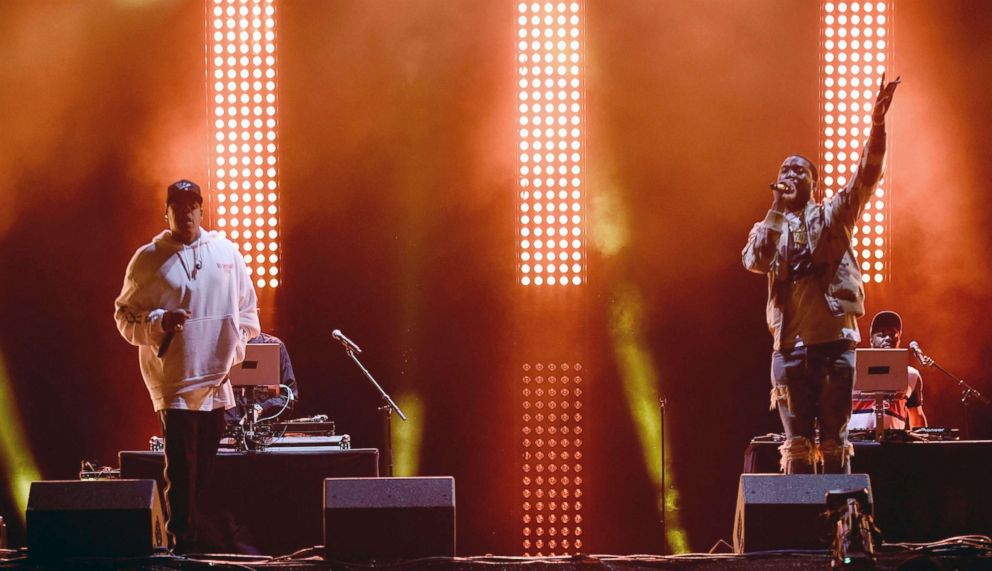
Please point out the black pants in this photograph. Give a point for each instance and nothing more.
(191, 441)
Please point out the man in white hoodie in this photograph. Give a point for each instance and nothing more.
(189, 305)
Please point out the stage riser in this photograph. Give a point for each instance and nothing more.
(922, 491)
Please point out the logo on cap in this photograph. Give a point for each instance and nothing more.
(181, 188)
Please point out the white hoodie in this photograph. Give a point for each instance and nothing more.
(163, 275)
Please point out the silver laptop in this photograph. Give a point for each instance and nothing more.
(260, 367)
(881, 370)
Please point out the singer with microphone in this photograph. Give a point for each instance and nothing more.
(189, 306)
(900, 414)
(815, 295)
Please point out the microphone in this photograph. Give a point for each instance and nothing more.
(165, 344)
(920, 356)
(348, 344)
(167, 340)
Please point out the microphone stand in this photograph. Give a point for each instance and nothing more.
(662, 401)
(967, 391)
(387, 409)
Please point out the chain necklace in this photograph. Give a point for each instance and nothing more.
(797, 228)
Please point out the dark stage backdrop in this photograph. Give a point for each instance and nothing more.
(397, 127)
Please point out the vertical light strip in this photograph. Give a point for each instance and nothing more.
(551, 252)
(551, 439)
(244, 197)
(551, 244)
(856, 47)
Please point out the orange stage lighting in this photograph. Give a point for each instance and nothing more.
(551, 438)
(551, 244)
(855, 50)
(244, 189)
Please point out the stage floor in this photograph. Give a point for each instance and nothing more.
(767, 561)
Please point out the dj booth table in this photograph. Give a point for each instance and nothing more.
(923, 491)
(264, 502)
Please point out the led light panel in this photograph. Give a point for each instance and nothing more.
(552, 448)
(551, 241)
(241, 56)
(855, 49)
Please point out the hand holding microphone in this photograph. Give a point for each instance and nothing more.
(172, 323)
(782, 192)
(174, 319)
(783, 189)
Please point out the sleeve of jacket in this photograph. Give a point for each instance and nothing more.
(138, 323)
(287, 376)
(848, 203)
(247, 301)
(761, 251)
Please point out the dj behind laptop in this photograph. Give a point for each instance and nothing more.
(259, 374)
(881, 375)
(255, 379)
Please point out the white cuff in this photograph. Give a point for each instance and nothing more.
(155, 318)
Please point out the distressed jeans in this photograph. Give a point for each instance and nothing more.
(809, 385)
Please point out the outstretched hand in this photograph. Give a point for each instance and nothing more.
(884, 99)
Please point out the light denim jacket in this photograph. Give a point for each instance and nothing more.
(829, 225)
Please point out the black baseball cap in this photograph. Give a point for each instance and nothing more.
(182, 188)
(886, 319)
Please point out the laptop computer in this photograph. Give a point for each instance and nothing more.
(260, 367)
(881, 370)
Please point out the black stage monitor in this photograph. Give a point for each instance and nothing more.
(94, 518)
(389, 519)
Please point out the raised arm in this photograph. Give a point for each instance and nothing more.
(848, 203)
